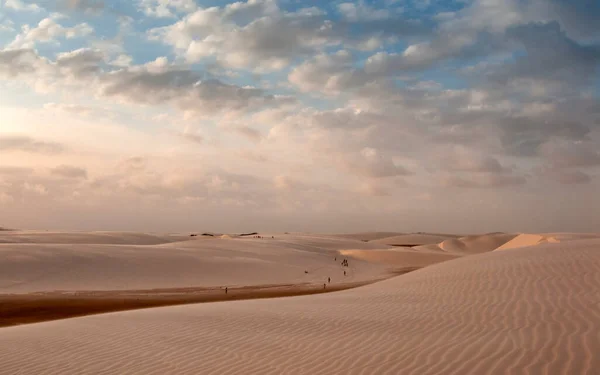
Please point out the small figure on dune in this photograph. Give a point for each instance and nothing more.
(226, 290)
(344, 273)
(305, 271)
(329, 279)
(335, 259)
(324, 286)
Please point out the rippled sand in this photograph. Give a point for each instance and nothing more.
(531, 310)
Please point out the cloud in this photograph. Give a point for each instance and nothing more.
(567, 177)
(255, 34)
(20, 6)
(156, 82)
(192, 137)
(28, 144)
(370, 163)
(252, 156)
(483, 181)
(374, 189)
(462, 159)
(249, 133)
(90, 6)
(48, 31)
(15, 171)
(551, 56)
(80, 63)
(567, 154)
(330, 74)
(68, 171)
(165, 8)
(361, 11)
(17, 62)
(69, 108)
(261, 36)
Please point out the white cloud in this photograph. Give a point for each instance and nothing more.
(48, 31)
(20, 6)
(330, 74)
(166, 8)
(256, 34)
(361, 11)
(157, 82)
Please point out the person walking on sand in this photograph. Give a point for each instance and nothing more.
(344, 273)
(329, 280)
(226, 290)
(324, 285)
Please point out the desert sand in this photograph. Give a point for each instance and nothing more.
(479, 304)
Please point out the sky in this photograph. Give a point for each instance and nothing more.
(463, 116)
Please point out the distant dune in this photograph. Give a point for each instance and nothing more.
(106, 238)
(530, 310)
(42, 261)
(369, 236)
(413, 239)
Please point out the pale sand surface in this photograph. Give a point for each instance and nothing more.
(533, 310)
(526, 239)
(400, 257)
(48, 265)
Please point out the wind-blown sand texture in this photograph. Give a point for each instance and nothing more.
(532, 310)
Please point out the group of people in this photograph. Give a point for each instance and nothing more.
(261, 237)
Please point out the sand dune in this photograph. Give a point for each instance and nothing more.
(35, 267)
(369, 236)
(399, 257)
(528, 311)
(476, 244)
(413, 239)
(525, 239)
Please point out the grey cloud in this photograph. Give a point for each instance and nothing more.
(483, 181)
(28, 144)
(81, 62)
(248, 132)
(370, 163)
(328, 73)
(570, 154)
(424, 55)
(252, 156)
(15, 62)
(551, 55)
(476, 164)
(192, 137)
(572, 177)
(69, 171)
(184, 88)
(15, 171)
(521, 136)
(154, 83)
(260, 35)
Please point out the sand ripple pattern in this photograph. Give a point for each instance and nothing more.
(524, 311)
